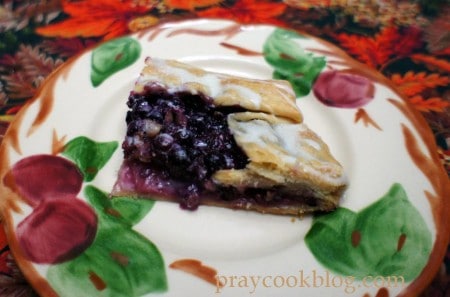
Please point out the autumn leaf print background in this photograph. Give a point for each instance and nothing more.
(407, 41)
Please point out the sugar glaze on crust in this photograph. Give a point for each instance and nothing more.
(274, 97)
(288, 169)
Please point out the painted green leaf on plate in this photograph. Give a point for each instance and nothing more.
(126, 211)
(89, 155)
(291, 62)
(120, 262)
(112, 57)
(387, 238)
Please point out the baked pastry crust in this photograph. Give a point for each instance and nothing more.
(270, 96)
(285, 158)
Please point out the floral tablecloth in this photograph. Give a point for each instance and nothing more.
(406, 41)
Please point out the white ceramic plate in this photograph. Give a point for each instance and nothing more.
(387, 238)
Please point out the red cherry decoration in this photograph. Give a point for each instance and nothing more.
(58, 229)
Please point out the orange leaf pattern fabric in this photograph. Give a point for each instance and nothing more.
(433, 63)
(248, 11)
(392, 44)
(413, 85)
(101, 18)
(190, 4)
(378, 50)
(431, 104)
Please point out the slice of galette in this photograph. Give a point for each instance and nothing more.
(201, 138)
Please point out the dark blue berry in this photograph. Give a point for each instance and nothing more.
(164, 140)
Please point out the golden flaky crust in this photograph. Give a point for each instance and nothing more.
(284, 154)
(271, 96)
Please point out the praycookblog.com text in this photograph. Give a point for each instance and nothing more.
(313, 279)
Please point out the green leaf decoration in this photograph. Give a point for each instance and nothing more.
(120, 262)
(89, 155)
(291, 62)
(113, 56)
(387, 238)
(126, 211)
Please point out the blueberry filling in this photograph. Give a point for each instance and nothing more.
(183, 137)
(176, 141)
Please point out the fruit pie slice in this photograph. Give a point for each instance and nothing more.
(202, 138)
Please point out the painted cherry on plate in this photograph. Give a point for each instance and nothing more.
(58, 229)
(342, 89)
(61, 226)
(40, 176)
